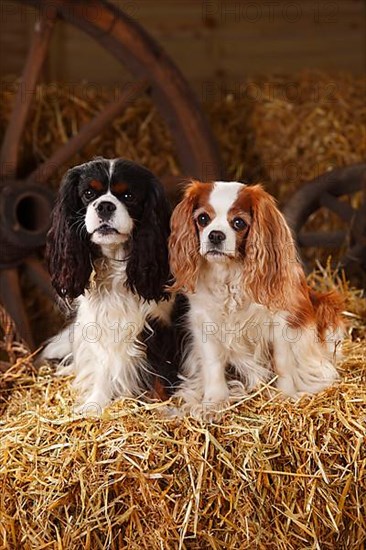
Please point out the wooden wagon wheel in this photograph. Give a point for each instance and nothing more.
(25, 205)
(329, 191)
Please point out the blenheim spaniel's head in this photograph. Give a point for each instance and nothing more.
(235, 225)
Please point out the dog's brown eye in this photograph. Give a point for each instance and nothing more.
(127, 196)
(239, 224)
(89, 194)
(203, 219)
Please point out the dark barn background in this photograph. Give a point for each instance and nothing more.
(210, 40)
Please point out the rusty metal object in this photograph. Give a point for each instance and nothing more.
(26, 205)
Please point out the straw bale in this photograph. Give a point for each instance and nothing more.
(15, 359)
(267, 473)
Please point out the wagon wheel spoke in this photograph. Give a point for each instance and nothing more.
(88, 132)
(333, 239)
(12, 300)
(343, 209)
(27, 85)
(38, 275)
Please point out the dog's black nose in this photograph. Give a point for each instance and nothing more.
(216, 237)
(105, 209)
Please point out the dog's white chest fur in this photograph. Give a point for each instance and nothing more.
(111, 314)
(108, 356)
(231, 325)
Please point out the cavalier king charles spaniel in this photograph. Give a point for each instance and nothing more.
(108, 252)
(251, 312)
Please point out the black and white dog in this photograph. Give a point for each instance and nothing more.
(107, 250)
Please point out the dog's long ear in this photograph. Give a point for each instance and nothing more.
(68, 245)
(271, 268)
(148, 266)
(184, 242)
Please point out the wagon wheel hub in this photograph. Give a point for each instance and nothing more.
(25, 211)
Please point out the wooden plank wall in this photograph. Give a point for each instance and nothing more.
(212, 41)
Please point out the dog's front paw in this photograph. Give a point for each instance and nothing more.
(92, 405)
(214, 402)
(89, 409)
(216, 397)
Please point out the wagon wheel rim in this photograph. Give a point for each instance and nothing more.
(153, 70)
(325, 192)
(117, 33)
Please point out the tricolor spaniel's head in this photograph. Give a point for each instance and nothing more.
(232, 223)
(116, 209)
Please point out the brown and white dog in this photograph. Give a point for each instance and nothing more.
(232, 254)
